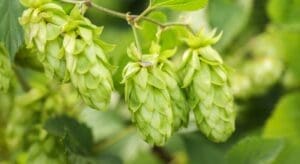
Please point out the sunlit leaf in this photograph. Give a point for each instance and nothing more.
(286, 11)
(285, 121)
(255, 150)
(230, 17)
(184, 5)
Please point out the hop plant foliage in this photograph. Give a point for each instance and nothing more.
(158, 98)
(5, 70)
(205, 78)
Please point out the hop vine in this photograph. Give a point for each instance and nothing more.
(159, 95)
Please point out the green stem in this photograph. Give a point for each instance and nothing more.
(136, 38)
(143, 14)
(108, 11)
(131, 19)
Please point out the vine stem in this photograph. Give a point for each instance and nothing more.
(131, 19)
(136, 38)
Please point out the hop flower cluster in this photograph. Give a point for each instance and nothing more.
(154, 98)
(158, 98)
(5, 69)
(204, 77)
(70, 49)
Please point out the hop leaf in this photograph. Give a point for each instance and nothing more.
(5, 69)
(205, 79)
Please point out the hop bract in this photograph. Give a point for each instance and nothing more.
(205, 78)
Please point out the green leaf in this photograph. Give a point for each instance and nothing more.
(254, 150)
(290, 154)
(230, 16)
(113, 123)
(286, 11)
(200, 149)
(11, 32)
(79, 159)
(76, 136)
(148, 30)
(182, 5)
(285, 121)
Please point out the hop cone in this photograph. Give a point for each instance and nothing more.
(148, 99)
(179, 104)
(42, 25)
(259, 73)
(5, 69)
(178, 101)
(205, 79)
(87, 64)
(264, 71)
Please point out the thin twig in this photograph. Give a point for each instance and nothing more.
(136, 38)
(131, 19)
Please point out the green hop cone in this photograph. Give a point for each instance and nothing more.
(241, 85)
(148, 98)
(89, 69)
(42, 26)
(178, 100)
(205, 79)
(259, 73)
(5, 69)
(263, 72)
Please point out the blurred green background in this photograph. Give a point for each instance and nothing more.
(261, 42)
